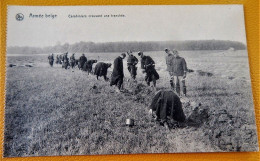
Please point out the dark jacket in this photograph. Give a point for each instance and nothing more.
(65, 59)
(118, 70)
(51, 58)
(148, 64)
(82, 61)
(132, 60)
(88, 65)
(101, 69)
(176, 65)
(72, 58)
(167, 103)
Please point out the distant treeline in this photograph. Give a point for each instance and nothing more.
(83, 47)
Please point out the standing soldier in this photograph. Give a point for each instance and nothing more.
(60, 59)
(147, 64)
(117, 77)
(65, 61)
(72, 60)
(82, 61)
(131, 64)
(51, 60)
(57, 59)
(177, 68)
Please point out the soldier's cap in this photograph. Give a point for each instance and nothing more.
(166, 49)
(140, 53)
(174, 51)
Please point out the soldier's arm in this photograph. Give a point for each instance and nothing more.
(136, 60)
(184, 66)
(142, 64)
(151, 62)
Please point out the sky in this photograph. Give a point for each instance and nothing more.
(140, 23)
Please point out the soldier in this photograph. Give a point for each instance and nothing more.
(51, 59)
(166, 104)
(131, 64)
(117, 77)
(88, 66)
(82, 61)
(57, 59)
(60, 59)
(72, 60)
(101, 70)
(147, 64)
(177, 68)
(65, 61)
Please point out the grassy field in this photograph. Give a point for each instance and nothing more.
(52, 111)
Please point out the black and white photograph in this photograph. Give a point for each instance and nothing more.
(98, 80)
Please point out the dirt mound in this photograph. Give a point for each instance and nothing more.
(231, 77)
(27, 65)
(11, 65)
(198, 116)
(228, 133)
(202, 73)
(140, 93)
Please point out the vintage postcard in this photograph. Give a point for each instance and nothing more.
(85, 80)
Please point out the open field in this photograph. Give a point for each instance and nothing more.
(52, 111)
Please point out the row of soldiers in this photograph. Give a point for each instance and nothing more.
(176, 66)
(82, 63)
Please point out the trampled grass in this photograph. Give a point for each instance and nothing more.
(52, 111)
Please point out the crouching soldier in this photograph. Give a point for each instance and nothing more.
(131, 64)
(88, 66)
(101, 70)
(147, 64)
(117, 76)
(51, 59)
(166, 104)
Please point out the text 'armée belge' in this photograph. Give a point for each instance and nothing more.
(52, 16)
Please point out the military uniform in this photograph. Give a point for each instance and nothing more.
(65, 61)
(88, 65)
(166, 104)
(147, 64)
(72, 61)
(101, 70)
(82, 61)
(51, 60)
(118, 73)
(131, 65)
(177, 68)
